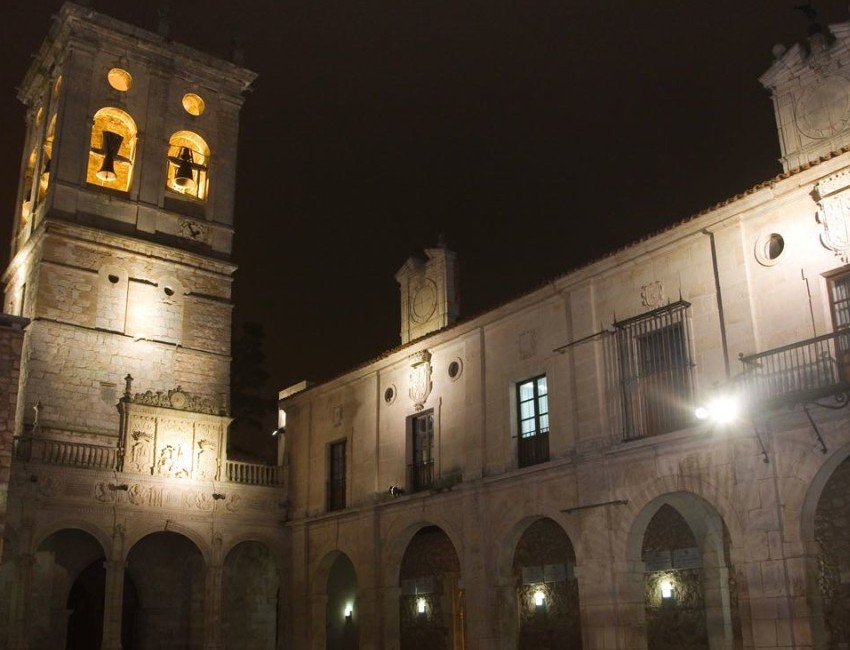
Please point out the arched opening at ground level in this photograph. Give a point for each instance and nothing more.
(169, 573)
(547, 590)
(341, 611)
(431, 602)
(687, 590)
(249, 602)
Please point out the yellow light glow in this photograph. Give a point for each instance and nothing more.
(349, 610)
(666, 587)
(119, 79)
(193, 104)
(421, 605)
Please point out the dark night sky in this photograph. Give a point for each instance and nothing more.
(536, 135)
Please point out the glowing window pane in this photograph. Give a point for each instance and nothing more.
(193, 104)
(119, 79)
(112, 149)
(188, 165)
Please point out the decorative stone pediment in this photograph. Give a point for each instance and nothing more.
(171, 434)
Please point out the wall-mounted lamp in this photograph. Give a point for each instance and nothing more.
(666, 588)
(349, 610)
(278, 431)
(721, 410)
(396, 491)
(421, 604)
(218, 496)
(539, 598)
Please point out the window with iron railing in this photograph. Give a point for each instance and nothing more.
(532, 398)
(839, 298)
(336, 477)
(421, 469)
(654, 356)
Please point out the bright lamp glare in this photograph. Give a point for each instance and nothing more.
(539, 598)
(420, 605)
(721, 410)
(724, 409)
(666, 589)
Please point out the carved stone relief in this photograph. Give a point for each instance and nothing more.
(420, 379)
(527, 344)
(652, 295)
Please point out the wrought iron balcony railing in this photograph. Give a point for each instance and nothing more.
(421, 475)
(532, 450)
(801, 372)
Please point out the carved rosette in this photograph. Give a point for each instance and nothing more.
(420, 379)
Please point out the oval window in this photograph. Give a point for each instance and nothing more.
(193, 104)
(119, 79)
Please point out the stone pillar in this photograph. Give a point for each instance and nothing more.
(368, 615)
(212, 598)
(505, 615)
(113, 596)
(318, 615)
(21, 601)
(392, 625)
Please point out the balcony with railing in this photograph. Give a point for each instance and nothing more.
(532, 450)
(336, 494)
(421, 475)
(805, 371)
(32, 448)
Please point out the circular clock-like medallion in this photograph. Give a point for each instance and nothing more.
(824, 108)
(178, 400)
(424, 302)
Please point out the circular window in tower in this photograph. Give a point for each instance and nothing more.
(769, 248)
(193, 104)
(455, 368)
(120, 79)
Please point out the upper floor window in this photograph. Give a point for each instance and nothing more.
(839, 298)
(336, 476)
(112, 149)
(421, 469)
(655, 371)
(188, 164)
(533, 425)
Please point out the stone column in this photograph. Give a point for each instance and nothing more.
(212, 598)
(21, 601)
(392, 627)
(113, 596)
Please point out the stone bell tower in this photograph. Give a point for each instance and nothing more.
(810, 86)
(122, 239)
(429, 292)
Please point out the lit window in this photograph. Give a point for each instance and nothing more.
(533, 424)
(188, 162)
(336, 478)
(193, 104)
(119, 79)
(655, 371)
(421, 470)
(112, 149)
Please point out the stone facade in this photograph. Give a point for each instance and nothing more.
(127, 525)
(538, 474)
